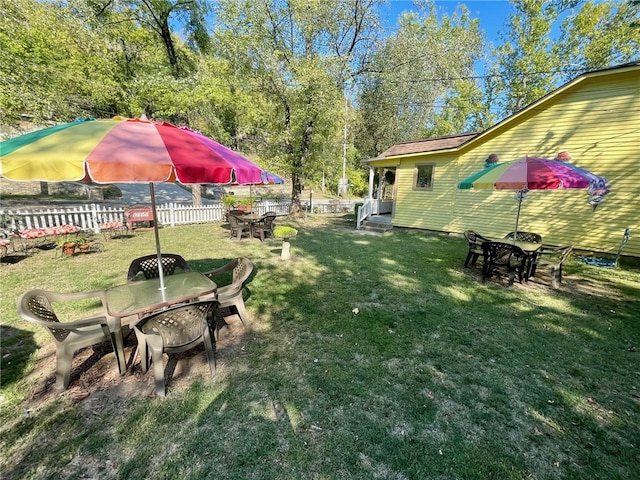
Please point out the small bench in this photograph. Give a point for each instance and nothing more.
(138, 215)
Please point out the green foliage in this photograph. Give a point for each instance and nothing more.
(229, 200)
(244, 201)
(530, 63)
(358, 182)
(600, 34)
(284, 232)
(398, 98)
(524, 63)
(72, 239)
(280, 80)
(110, 192)
(306, 51)
(465, 110)
(64, 240)
(81, 240)
(52, 66)
(160, 16)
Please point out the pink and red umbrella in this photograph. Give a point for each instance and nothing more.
(532, 173)
(122, 150)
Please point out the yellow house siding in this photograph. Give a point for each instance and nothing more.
(597, 120)
(432, 209)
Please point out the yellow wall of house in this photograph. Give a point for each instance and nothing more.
(597, 120)
(426, 209)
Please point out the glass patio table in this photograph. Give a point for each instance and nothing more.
(145, 296)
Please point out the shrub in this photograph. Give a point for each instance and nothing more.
(284, 232)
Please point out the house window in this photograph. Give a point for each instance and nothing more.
(423, 176)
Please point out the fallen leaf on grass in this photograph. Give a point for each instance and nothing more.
(78, 397)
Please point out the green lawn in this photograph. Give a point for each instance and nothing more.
(367, 357)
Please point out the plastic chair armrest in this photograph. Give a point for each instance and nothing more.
(218, 271)
(62, 297)
(113, 324)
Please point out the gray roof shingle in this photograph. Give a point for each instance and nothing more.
(428, 145)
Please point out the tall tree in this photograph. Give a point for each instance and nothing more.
(300, 54)
(464, 109)
(52, 66)
(600, 34)
(523, 71)
(552, 41)
(422, 65)
(163, 60)
(160, 15)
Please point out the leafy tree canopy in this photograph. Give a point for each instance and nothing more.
(305, 88)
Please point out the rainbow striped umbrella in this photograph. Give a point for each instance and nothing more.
(532, 173)
(123, 150)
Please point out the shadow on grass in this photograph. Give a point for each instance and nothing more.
(11, 259)
(122, 236)
(378, 357)
(17, 347)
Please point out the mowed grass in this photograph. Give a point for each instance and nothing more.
(367, 357)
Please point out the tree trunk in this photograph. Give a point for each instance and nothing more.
(299, 161)
(196, 194)
(165, 33)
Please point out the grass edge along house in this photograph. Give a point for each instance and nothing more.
(595, 118)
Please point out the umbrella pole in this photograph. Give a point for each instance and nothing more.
(157, 235)
(515, 233)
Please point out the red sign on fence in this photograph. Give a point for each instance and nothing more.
(138, 215)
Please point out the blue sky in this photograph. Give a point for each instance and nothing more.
(492, 13)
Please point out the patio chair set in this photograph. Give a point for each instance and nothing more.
(174, 328)
(251, 225)
(520, 254)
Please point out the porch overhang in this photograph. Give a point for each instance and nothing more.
(381, 162)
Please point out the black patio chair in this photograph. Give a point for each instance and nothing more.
(148, 266)
(524, 237)
(475, 242)
(501, 257)
(264, 227)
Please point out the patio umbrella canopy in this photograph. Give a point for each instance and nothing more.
(533, 173)
(122, 150)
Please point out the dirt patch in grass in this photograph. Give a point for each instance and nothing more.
(571, 284)
(96, 382)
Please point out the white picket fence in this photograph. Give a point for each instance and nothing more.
(91, 217)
